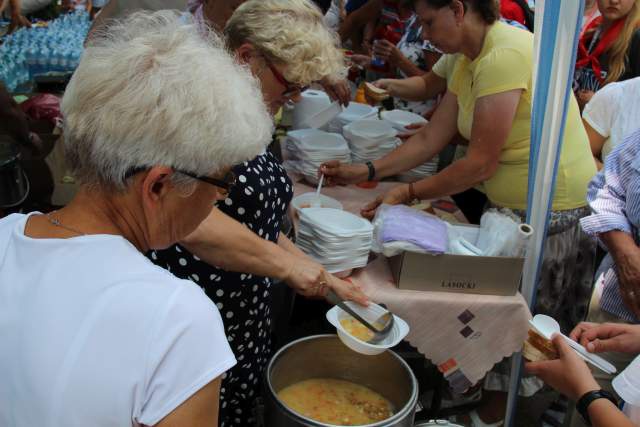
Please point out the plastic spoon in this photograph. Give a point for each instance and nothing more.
(548, 326)
(317, 201)
(380, 327)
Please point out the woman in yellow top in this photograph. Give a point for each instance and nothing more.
(488, 101)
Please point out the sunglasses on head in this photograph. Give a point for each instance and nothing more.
(291, 89)
(226, 183)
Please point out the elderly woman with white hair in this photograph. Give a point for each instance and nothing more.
(287, 46)
(93, 334)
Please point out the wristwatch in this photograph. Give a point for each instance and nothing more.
(372, 171)
(583, 403)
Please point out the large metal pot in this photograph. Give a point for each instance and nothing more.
(324, 356)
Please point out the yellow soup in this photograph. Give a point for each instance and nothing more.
(336, 402)
(356, 329)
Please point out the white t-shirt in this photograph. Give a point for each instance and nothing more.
(614, 112)
(93, 334)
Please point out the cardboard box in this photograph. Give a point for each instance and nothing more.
(457, 273)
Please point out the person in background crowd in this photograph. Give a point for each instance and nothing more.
(72, 5)
(612, 114)
(114, 9)
(93, 333)
(491, 79)
(335, 16)
(609, 49)
(17, 11)
(570, 375)
(238, 251)
(614, 198)
(591, 12)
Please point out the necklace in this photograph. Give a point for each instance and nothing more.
(57, 223)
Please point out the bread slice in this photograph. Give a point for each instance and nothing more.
(537, 348)
(375, 93)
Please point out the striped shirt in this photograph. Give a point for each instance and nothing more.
(614, 198)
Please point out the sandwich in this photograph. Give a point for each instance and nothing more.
(538, 348)
(374, 93)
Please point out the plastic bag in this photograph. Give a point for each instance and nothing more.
(400, 228)
(501, 234)
(43, 107)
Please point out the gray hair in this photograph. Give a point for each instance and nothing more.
(151, 91)
(292, 32)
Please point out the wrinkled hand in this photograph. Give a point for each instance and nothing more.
(337, 91)
(386, 84)
(411, 130)
(569, 374)
(336, 173)
(396, 196)
(628, 269)
(18, 21)
(307, 277)
(347, 290)
(386, 51)
(598, 338)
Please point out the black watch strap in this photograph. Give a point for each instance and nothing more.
(583, 403)
(372, 171)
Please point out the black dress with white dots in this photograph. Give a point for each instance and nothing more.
(259, 200)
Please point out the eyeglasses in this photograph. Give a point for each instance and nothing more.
(291, 89)
(226, 183)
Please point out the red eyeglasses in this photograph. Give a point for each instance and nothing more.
(291, 89)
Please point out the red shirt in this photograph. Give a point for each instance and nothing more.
(509, 9)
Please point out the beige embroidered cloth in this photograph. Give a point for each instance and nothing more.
(463, 334)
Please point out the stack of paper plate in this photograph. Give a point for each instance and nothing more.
(309, 148)
(354, 112)
(337, 239)
(370, 139)
(400, 119)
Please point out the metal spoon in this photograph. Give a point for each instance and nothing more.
(385, 321)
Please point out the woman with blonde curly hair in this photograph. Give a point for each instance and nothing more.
(609, 48)
(238, 250)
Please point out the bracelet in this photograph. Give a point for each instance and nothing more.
(583, 403)
(372, 171)
(412, 193)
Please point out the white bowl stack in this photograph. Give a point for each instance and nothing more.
(337, 239)
(399, 119)
(354, 112)
(309, 148)
(370, 139)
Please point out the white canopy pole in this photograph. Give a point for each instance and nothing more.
(558, 24)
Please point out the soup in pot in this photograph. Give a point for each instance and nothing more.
(336, 402)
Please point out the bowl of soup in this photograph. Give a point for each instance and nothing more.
(318, 382)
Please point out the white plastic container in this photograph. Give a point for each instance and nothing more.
(398, 331)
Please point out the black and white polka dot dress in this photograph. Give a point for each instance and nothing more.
(259, 200)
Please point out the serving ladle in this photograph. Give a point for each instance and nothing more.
(380, 327)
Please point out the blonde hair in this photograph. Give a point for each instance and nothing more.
(151, 91)
(291, 32)
(619, 48)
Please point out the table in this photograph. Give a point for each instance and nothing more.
(463, 334)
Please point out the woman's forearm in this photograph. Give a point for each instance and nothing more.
(414, 152)
(285, 243)
(224, 242)
(425, 144)
(603, 413)
(456, 178)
